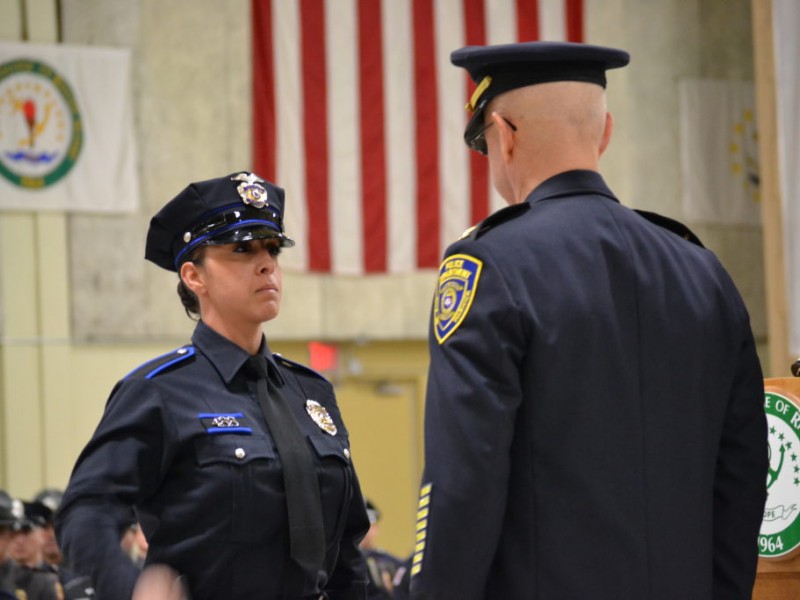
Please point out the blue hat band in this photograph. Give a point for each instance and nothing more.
(231, 219)
(245, 225)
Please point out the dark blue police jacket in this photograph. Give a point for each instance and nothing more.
(183, 441)
(594, 421)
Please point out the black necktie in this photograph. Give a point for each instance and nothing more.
(306, 533)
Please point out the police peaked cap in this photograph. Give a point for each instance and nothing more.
(50, 497)
(37, 513)
(236, 208)
(502, 68)
(8, 518)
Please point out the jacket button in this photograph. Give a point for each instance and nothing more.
(239, 453)
(347, 452)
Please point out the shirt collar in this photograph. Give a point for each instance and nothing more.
(226, 357)
(571, 183)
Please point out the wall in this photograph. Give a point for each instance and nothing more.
(34, 302)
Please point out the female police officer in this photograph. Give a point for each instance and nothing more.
(236, 460)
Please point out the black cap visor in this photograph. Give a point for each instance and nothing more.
(246, 233)
(241, 232)
(232, 226)
(474, 134)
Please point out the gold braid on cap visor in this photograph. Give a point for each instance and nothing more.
(476, 95)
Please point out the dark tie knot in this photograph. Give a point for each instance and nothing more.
(256, 367)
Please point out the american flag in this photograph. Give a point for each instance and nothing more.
(359, 115)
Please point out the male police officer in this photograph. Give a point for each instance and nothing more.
(594, 419)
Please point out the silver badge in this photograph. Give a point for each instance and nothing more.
(251, 190)
(320, 416)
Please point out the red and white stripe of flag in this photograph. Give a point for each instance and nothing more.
(359, 115)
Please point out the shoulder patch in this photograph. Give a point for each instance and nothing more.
(495, 220)
(296, 366)
(455, 290)
(161, 363)
(672, 225)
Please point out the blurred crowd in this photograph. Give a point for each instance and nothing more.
(31, 563)
(33, 568)
(388, 574)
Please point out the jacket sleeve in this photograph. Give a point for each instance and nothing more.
(474, 391)
(120, 465)
(740, 481)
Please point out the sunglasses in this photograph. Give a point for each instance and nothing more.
(477, 140)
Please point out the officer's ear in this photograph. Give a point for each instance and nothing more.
(607, 130)
(192, 277)
(505, 136)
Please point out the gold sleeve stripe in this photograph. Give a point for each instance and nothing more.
(422, 527)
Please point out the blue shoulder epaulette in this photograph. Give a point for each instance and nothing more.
(161, 363)
(672, 225)
(495, 219)
(295, 366)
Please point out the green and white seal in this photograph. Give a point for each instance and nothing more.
(41, 132)
(780, 528)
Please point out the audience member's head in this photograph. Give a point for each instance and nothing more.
(51, 499)
(27, 546)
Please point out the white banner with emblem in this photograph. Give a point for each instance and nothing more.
(719, 152)
(66, 129)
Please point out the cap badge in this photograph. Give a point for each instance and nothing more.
(320, 416)
(251, 190)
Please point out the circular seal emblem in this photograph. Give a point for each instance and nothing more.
(780, 528)
(41, 133)
(320, 416)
